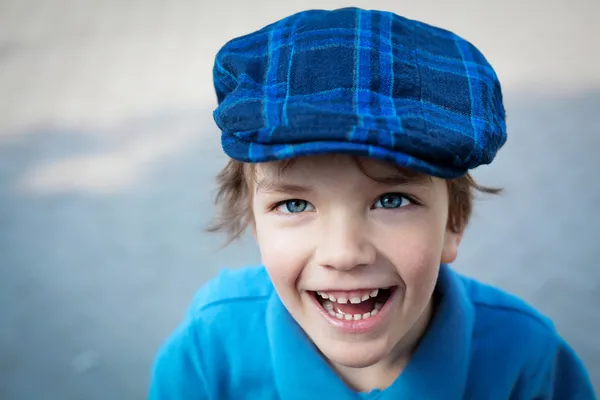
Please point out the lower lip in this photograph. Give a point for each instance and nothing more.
(362, 325)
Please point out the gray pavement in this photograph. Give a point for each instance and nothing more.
(108, 151)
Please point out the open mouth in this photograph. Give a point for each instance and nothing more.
(354, 305)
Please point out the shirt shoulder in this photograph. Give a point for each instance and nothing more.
(232, 286)
(505, 320)
(223, 329)
(493, 301)
(535, 358)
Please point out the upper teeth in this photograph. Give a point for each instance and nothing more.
(353, 300)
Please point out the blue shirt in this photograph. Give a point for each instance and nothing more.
(239, 342)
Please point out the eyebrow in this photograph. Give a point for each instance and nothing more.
(402, 180)
(275, 186)
(272, 186)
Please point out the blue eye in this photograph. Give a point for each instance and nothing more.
(392, 200)
(294, 206)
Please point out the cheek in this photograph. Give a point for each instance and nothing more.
(415, 251)
(418, 264)
(284, 252)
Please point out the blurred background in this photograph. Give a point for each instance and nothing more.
(108, 152)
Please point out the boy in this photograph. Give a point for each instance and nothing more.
(351, 134)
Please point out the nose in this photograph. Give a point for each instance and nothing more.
(344, 244)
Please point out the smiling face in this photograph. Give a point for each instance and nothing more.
(336, 228)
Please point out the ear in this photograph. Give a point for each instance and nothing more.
(451, 243)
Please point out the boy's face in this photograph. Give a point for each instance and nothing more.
(325, 229)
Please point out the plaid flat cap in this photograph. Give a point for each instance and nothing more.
(367, 83)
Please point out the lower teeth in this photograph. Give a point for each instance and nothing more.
(349, 317)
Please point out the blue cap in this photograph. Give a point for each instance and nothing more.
(366, 83)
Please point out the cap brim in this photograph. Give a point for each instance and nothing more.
(252, 152)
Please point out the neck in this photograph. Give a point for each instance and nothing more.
(382, 374)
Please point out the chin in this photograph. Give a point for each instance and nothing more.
(354, 355)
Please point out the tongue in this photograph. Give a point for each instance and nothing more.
(360, 308)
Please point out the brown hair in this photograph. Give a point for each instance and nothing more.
(233, 199)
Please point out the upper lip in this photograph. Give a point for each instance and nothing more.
(353, 289)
